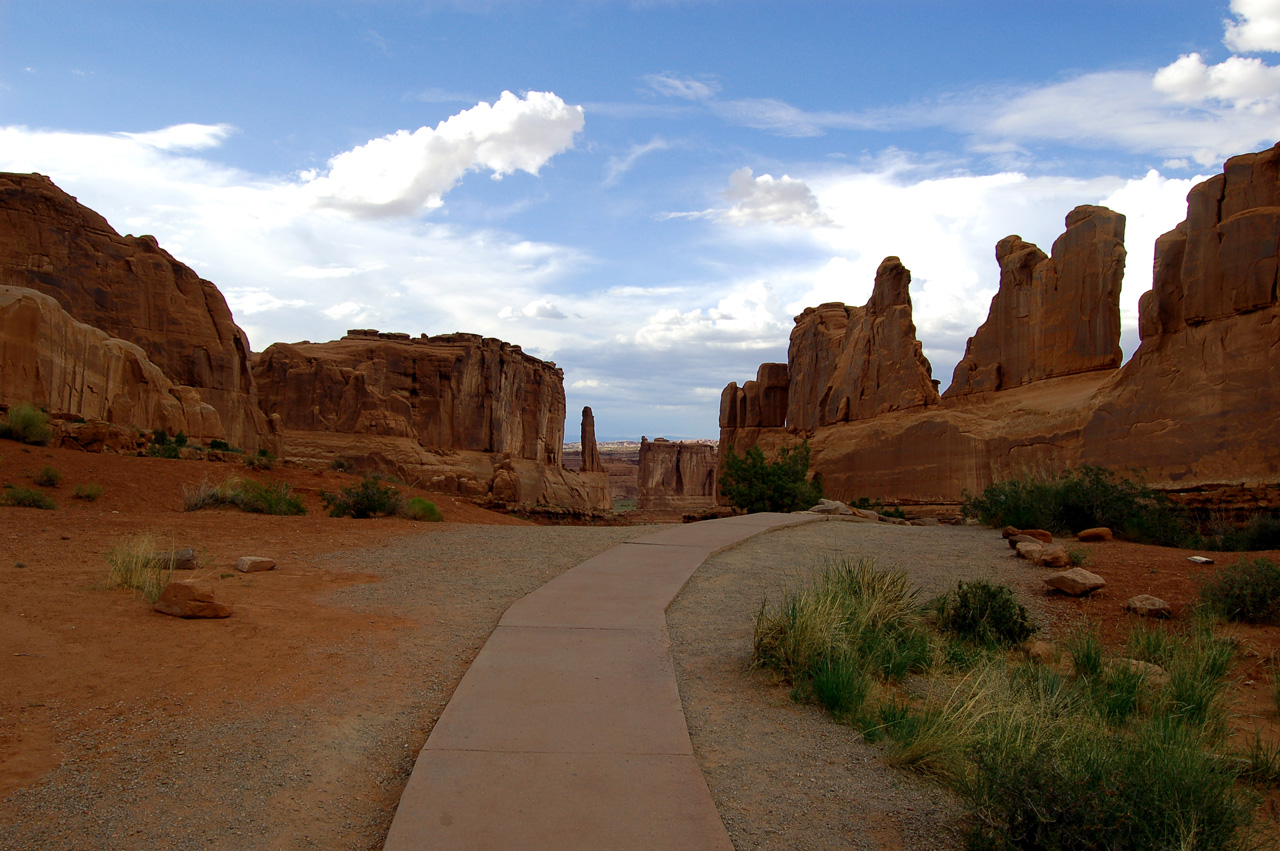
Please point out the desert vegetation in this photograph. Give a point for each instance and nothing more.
(137, 564)
(256, 497)
(26, 424)
(755, 484)
(20, 496)
(370, 498)
(1046, 753)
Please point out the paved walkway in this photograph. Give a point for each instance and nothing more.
(567, 730)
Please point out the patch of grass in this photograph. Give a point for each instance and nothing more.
(24, 497)
(1248, 591)
(276, 498)
(136, 564)
(48, 477)
(1077, 556)
(1260, 532)
(26, 424)
(1084, 646)
(985, 613)
(417, 508)
(370, 498)
(89, 493)
(262, 460)
(839, 684)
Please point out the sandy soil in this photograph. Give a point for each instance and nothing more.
(294, 723)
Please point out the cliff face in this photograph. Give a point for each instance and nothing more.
(133, 290)
(1052, 316)
(457, 411)
(1195, 406)
(677, 476)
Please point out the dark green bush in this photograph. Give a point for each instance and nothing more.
(218, 445)
(985, 613)
(342, 465)
(269, 498)
(23, 497)
(48, 477)
(370, 498)
(26, 424)
(1248, 590)
(160, 437)
(167, 449)
(418, 508)
(754, 484)
(180, 439)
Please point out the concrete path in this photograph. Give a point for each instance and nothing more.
(567, 730)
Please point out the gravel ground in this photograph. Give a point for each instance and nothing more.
(316, 758)
(783, 775)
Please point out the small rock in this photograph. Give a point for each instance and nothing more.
(190, 599)
(1147, 606)
(1095, 535)
(925, 521)
(181, 559)
(1153, 673)
(1076, 582)
(1039, 534)
(830, 506)
(254, 564)
(1028, 549)
(1052, 555)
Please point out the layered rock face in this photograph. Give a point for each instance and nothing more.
(133, 290)
(1195, 407)
(677, 476)
(457, 412)
(49, 359)
(1052, 316)
(850, 364)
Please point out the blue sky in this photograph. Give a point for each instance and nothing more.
(644, 192)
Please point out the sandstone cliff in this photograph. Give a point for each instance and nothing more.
(1052, 316)
(133, 290)
(677, 476)
(457, 412)
(591, 462)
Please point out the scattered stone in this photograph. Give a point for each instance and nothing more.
(254, 564)
(190, 599)
(925, 521)
(1028, 549)
(1200, 559)
(1095, 535)
(1076, 582)
(1147, 606)
(181, 559)
(830, 506)
(1052, 556)
(1039, 534)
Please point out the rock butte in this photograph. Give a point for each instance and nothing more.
(677, 476)
(1040, 385)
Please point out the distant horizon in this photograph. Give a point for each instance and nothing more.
(644, 193)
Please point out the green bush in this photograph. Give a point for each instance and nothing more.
(984, 613)
(1073, 500)
(754, 484)
(89, 493)
(370, 498)
(23, 497)
(1248, 590)
(418, 508)
(218, 445)
(180, 439)
(276, 498)
(26, 424)
(48, 477)
(342, 465)
(164, 450)
(160, 437)
(263, 460)
(1261, 532)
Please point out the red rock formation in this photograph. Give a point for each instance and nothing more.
(855, 363)
(677, 476)
(757, 404)
(1052, 316)
(591, 462)
(51, 360)
(457, 411)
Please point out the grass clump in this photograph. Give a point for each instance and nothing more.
(370, 498)
(89, 493)
(754, 484)
(26, 424)
(262, 460)
(984, 613)
(421, 509)
(1248, 591)
(48, 477)
(23, 497)
(256, 497)
(136, 564)
(342, 465)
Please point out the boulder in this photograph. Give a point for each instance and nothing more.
(677, 476)
(1010, 531)
(190, 599)
(1051, 555)
(1020, 538)
(184, 559)
(254, 564)
(1147, 606)
(1039, 534)
(1028, 549)
(1077, 582)
(925, 521)
(1153, 674)
(1096, 535)
(830, 506)
(894, 521)
(865, 513)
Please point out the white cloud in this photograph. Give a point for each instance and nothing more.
(405, 172)
(748, 318)
(589, 382)
(246, 301)
(538, 309)
(618, 166)
(688, 88)
(347, 310)
(184, 137)
(1256, 28)
(766, 200)
(1243, 83)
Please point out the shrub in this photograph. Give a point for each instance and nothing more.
(48, 477)
(159, 437)
(984, 613)
(164, 450)
(24, 497)
(218, 445)
(342, 465)
(263, 460)
(754, 484)
(1248, 590)
(135, 563)
(418, 508)
(180, 439)
(26, 424)
(1261, 532)
(370, 498)
(89, 493)
(276, 498)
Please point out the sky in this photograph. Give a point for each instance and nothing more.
(645, 192)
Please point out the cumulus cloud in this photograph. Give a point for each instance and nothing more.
(687, 88)
(405, 172)
(1256, 28)
(749, 318)
(1244, 83)
(766, 200)
(538, 309)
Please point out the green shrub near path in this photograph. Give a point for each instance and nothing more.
(370, 498)
(421, 509)
(26, 424)
(754, 484)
